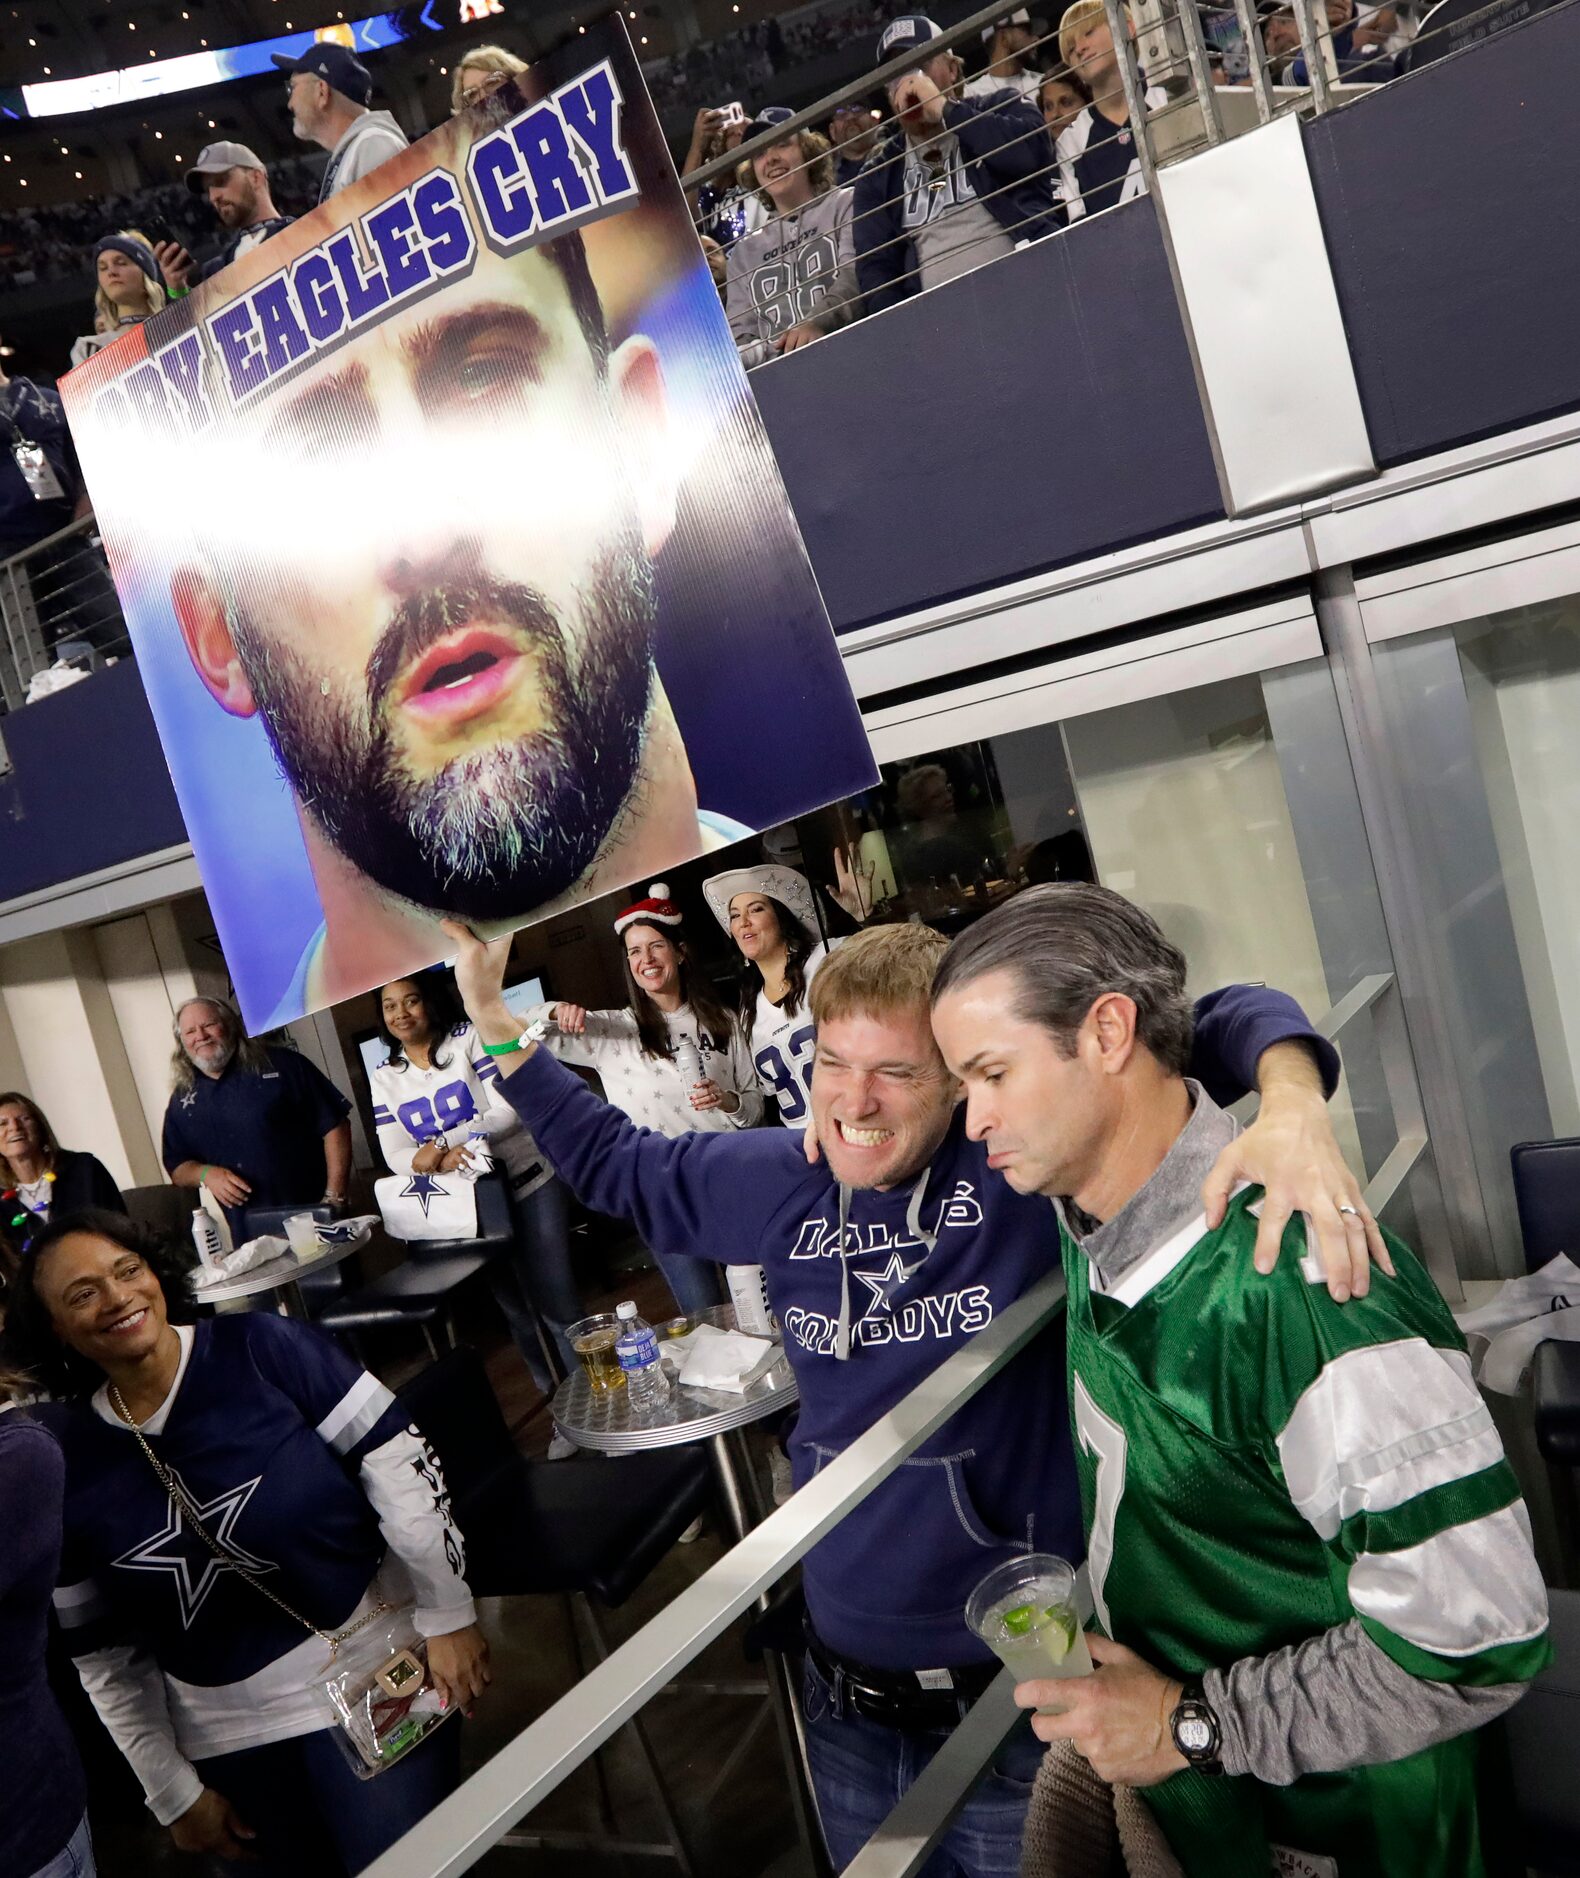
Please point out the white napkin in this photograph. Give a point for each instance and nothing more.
(1540, 1307)
(242, 1260)
(724, 1359)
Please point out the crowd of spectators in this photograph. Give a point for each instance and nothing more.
(50, 243)
(744, 61)
(975, 151)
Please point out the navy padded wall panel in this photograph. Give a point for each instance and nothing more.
(88, 785)
(1036, 412)
(1451, 205)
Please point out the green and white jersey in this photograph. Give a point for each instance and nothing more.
(1260, 1466)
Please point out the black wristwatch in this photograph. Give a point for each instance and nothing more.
(1195, 1729)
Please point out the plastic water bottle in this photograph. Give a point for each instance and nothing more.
(646, 1384)
(688, 1061)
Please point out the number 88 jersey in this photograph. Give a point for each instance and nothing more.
(781, 1049)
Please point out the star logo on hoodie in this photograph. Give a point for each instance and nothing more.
(885, 1282)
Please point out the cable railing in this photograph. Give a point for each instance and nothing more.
(59, 613)
(485, 1808)
(1157, 71)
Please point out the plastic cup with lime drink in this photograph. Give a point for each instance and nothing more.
(1024, 1611)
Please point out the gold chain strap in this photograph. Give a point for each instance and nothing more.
(182, 1501)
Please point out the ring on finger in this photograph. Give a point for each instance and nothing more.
(1353, 1211)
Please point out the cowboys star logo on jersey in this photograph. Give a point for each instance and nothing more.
(181, 1551)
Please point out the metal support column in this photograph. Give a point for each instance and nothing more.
(731, 1469)
(1466, 1226)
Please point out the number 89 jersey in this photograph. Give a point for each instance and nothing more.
(781, 1050)
(1260, 1465)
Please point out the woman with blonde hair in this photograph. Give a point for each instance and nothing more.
(483, 69)
(130, 288)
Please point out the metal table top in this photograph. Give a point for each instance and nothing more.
(608, 1424)
(274, 1273)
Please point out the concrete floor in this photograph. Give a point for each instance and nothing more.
(719, 1754)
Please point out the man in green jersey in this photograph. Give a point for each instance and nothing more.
(1309, 1559)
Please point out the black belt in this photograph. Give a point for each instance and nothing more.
(899, 1698)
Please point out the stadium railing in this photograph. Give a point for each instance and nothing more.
(1168, 54)
(488, 1806)
(57, 604)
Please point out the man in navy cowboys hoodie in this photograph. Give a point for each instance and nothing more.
(936, 1245)
(956, 182)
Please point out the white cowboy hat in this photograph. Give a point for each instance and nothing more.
(783, 884)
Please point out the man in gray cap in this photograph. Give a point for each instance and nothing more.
(329, 89)
(956, 182)
(237, 186)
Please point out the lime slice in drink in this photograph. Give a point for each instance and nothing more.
(1058, 1634)
(1020, 1620)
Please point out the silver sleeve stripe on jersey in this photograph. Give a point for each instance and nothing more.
(354, 1414)
(1380, 1425)
(1472, 1588)
(79, 1604)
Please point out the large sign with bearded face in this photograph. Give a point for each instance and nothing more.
(459, 570)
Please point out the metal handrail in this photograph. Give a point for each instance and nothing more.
(460, 1830)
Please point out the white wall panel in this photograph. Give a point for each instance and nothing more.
(1264, 318)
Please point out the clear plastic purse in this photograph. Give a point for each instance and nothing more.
(375, 1688)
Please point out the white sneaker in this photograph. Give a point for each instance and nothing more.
(779, 1474)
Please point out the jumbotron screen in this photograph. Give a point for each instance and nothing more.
(136, 84)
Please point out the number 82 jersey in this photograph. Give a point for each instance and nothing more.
(781, 1048)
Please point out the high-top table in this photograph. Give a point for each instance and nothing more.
(607, 1424)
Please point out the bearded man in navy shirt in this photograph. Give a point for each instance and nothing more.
(935, 1244)
(256, 1126)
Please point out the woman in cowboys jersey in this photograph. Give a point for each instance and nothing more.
(438, 1088)
(310, 1484)
(674, 1060)
(771, 915)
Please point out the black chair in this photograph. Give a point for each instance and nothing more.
(422, 1290)
(1543, 1730)
(1547, 1192)
(578, 1529)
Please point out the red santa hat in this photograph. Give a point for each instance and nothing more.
(656, 910)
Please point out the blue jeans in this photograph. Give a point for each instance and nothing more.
(860, 1768)
(537, 1277)
(77, 1859)
(314, 1818)
(694, 1282)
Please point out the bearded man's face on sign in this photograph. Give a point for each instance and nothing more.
(458, 693)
